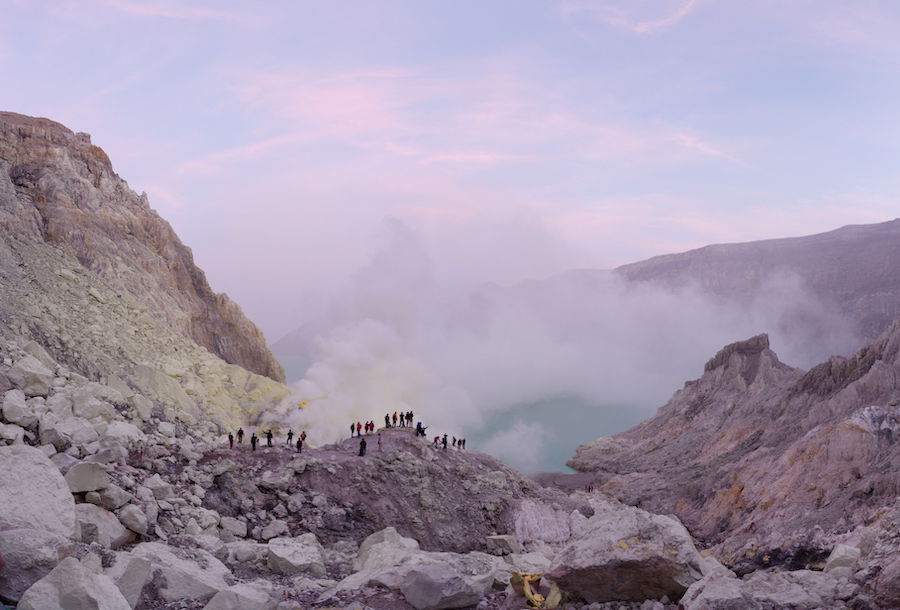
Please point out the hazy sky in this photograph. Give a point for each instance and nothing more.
(519, 138)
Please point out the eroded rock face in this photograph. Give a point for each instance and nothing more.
(755, 456)
(92, 275)
(61, 189)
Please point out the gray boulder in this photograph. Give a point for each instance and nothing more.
(34, 495)
(16, 411)
(31, 376)
(29, 555)
(799, 590)
(627, 554)
(435, 586)
(134, 519)
(185, 572)
(130, 574)
(69, 586)
(99, 525)
(160, 489)
(243, 596)
(87, 476)
(291, 556)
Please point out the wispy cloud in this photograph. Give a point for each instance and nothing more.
(172, 10)
(640, 17)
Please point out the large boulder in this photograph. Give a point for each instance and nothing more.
(31, 376)
(799, 590)
(185, 572)
(34, 493)
(16, 411)
(627, 554)
(243, 596)
(159, 488)
(70, 585)
(302, 554)
(130, 574)
(383, 548)
(428, 580)
(435, 586)
(29, 554)
(134, 519)
(99, 525)
(87, 476)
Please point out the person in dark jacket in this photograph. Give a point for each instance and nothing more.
(362, 447)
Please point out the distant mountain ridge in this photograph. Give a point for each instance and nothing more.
(856, 267)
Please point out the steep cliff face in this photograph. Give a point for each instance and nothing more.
(59, 190)
(762, 460)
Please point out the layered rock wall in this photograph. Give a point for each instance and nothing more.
(57, 189)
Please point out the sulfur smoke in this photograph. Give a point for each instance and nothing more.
(467, 359)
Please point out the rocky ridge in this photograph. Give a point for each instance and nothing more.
(766, 464)
(60, 195)
(851, 268)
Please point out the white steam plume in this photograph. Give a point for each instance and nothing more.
(404, 338)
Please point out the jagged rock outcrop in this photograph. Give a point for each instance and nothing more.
(63, 206)
(766, 463)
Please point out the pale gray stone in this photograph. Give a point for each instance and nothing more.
(295, 555)
(86, 476)
(99, 525)
(134, 519)
(34, 495)
(71, 586)
(29, 555)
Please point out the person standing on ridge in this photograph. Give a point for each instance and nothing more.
(395, 419)
(352, 429)
(269, 438)
(230, 440)
(253, 441)
(299, 444)
(387, 420)
(290, 437)
(358, 429)
(444, 440)
(362, 447)
(240, 435)
(303, 436)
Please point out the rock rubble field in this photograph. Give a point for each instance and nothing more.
(104, 507)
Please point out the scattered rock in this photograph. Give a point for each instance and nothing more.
(71, 586)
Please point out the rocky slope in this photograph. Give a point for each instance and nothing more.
(766, 463)
(854, 268)
(120, 507)
(61, 199)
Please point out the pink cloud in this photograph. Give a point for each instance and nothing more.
(632, 15)
(172, 10)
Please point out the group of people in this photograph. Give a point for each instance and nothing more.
(458, 443)
(254, 440)
(359, 427)
(404, 418)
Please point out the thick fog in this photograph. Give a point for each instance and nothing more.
(504, 363)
